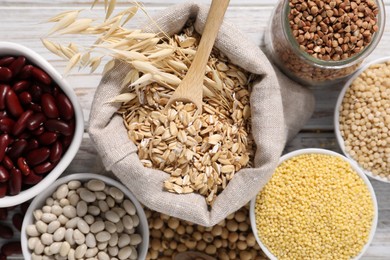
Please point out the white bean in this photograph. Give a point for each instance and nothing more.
(32, 241)
(124, 240)
(46, 209)
(96, 185)
(63, 220)
(41, 226)
(78, 237)
(81, 208)
(48, 217)
(32, 231)
(90, 240)
(97, 227)
(69, 236)
(89, 219)
(113, 250)
(74, 199)
(71, 254)
(94, 210)
(74, 185)
(103, 206)
(80, 251)
(103, 256)
(39, 247)
(100, 195)
(72, 223)
(47, 239)
(62, 191)
(124, 253)
(110, 227)
(127, 222)
(103, 236)
(53, 226)
(87, 195)
(65, 248)
(56, 246)
(56, 210)
(83, 226)
(59, 234)
(112, 216)
(91, 252)
(114, 239)
(135, 239)
(36, 257)
(117, 194)
(102, 245)
(69, 211)
(129, 207)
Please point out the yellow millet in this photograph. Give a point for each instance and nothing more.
(314, 207)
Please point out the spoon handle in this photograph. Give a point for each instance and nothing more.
(210, 32)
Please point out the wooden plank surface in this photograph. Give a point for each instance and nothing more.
(21, 22)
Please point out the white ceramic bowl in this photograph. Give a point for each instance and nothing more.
(8, 48)
(340, 98)
(327, 152)
(40, 200)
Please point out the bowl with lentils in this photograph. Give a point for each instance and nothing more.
(318, 204)
(362, 119)
(85, 216)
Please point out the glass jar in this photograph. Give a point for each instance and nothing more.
(284, 50)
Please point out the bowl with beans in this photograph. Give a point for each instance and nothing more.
(41, 124)
(84, 216)
(318, 204)
(362, 119)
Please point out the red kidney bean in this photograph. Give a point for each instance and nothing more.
(35, 107)
(55, 152)
(6, 232)
(3, 189)
(25, 135)
(35, 121)
(5, 74)
(6, 125)
(11, 248)
(40, 130)
(23, 166)
(65, 107)
(25, 73)
(17, 221)
(32, 178)
(3, 114)
(4, 174)
(3, 93)
(66, 141)
(17, 65)
(15, 183)
(21, 124)
(46, 88)
(17, 148)
(36, 93)
(32, 144)
(49, 107)
(12, 103)
(25, 98)
(41, 76)
(58, 126)
(5, 61)
(44, 167)
(38, 156)
(3, 213)
(55, 91)
(21, 86)
(47, 138)
(4, 142)
(7, 162)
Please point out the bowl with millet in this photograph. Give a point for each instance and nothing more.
(362, 119)
(318, 204)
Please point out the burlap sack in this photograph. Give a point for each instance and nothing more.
(279, 109)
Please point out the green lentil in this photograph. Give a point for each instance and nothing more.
(314, 207)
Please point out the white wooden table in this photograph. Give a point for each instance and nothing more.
(21, 22)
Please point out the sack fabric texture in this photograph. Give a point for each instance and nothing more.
(279, 109)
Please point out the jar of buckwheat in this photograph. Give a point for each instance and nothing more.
(319, 42)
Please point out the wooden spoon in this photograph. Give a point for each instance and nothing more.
(190, 90)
